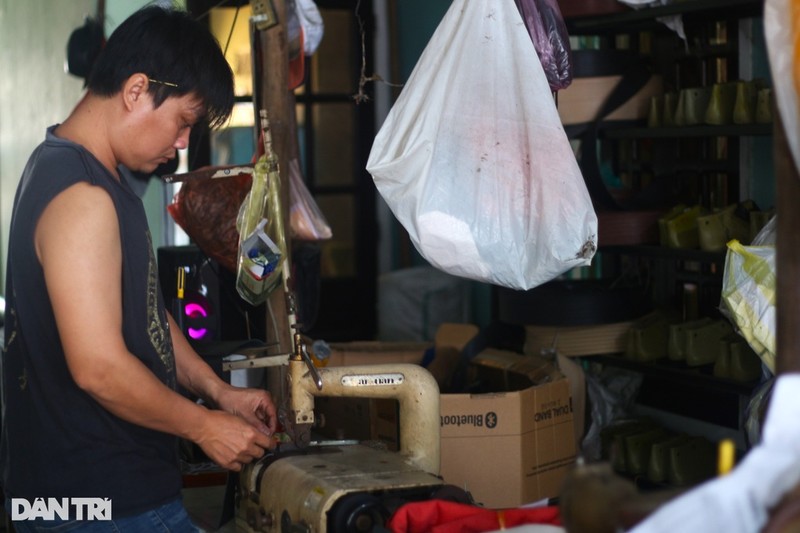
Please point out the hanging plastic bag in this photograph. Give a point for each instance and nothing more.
(312, 23)
(550, 39)
(673, 22)
(206, 209)
(748, 292)
(474, 162)
(306, 221)
(262, 241)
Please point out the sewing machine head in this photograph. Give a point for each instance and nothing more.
(344, 486)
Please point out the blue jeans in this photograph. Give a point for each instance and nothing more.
(169, 518)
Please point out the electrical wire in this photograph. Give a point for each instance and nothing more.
(230, 33)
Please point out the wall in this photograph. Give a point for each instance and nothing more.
(757, 181)
(35, 92)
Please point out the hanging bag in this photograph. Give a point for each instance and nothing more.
(550, 39)
(748, 292)
(474, 162)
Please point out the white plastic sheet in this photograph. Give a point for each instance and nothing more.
(781, 36)
(474, 162)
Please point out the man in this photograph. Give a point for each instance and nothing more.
(92, 360)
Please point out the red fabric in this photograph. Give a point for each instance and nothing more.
(439, 516)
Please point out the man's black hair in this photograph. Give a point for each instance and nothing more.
(169, 46)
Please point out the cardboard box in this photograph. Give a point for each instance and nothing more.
(495, 370)
(508, 449)
(376, 353)
(582, 100)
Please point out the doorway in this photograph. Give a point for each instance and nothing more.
(335, 114)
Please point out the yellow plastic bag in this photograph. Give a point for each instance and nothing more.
(262, 241)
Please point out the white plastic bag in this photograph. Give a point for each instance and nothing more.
(748, 292)
(473, 159)
(312, 23)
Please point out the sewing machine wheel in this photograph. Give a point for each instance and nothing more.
(357, 513)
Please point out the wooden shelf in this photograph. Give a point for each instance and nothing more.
(686, 152)
(700, 376)
(639, 130)
(703, 130)
(662, 252)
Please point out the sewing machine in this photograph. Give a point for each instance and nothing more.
(343, 486)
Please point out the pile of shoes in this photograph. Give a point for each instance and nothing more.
(642, 448)
(734, 102)
(695, 227)
(700, 342)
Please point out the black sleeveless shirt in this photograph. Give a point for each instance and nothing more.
(57, 441)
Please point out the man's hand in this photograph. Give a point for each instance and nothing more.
(253, 405)
(230, 441)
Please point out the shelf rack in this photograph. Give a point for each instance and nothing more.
(646, 18)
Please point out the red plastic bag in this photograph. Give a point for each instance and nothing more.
(550, 38)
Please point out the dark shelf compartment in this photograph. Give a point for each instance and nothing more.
(703, 130)
(681, 167)
(700, 376)
(639, 130)
(663, 252)
(693, 392)
(639, 19)
(709, 51)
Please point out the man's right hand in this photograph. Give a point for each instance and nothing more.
(231, 442)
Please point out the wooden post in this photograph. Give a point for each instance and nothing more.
(271, 92)
(785, 516)
(787, 356)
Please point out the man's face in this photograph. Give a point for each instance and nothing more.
(154, 135)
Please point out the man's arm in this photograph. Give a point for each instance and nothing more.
(77, 242)
(196, 376)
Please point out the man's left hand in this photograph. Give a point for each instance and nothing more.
(253, 405)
